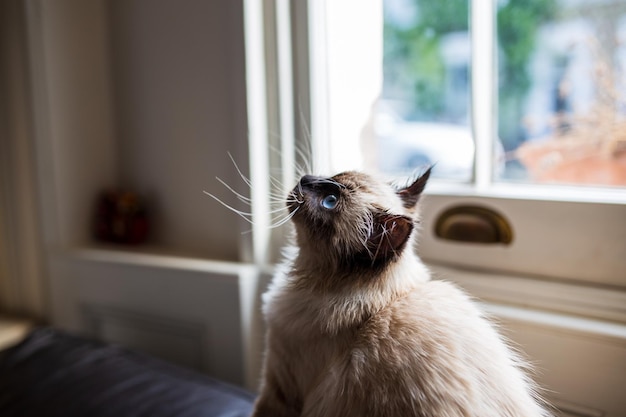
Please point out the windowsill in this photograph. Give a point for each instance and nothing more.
(540, 192)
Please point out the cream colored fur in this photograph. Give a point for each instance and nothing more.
(391, 342)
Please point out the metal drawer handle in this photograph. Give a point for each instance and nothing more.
(474, 224)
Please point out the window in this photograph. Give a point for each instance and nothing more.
(558, 91)
(560, 283)
(473, 90)
(561, 92)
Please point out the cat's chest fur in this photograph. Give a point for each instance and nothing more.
(343, 350)
(400, 352)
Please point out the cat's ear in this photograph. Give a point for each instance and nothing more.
(389, 235)
(411, 193)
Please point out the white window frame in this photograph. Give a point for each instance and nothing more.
(547, 267)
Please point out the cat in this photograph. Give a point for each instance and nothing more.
(356, 326)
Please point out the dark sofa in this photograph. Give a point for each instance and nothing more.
(52, 373)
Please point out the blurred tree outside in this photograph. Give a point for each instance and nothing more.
(413, 65)
(518, 22)
(585, 139)
(414, 68)
(560, 80)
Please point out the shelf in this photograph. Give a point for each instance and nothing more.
(152, 256)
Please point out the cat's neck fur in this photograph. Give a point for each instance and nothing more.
(350, 300)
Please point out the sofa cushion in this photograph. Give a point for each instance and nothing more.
(52, 373)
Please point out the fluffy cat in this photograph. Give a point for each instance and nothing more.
(356, 327)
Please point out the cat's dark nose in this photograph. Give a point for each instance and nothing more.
(308, 180)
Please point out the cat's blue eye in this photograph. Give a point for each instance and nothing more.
(330, 202)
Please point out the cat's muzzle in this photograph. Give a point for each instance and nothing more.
(297, 196)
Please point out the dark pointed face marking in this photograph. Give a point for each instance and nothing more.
(353, 221)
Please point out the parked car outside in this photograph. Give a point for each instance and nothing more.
(405, 146)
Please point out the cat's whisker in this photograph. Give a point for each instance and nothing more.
(280, 214)
(300, 154)
(276, 199)
(274, 182)
(366, 229)
(243, 177)
(248, 200)
(300, 192)
(244, 215)
(240, 196)
(380, 243)
(284, 219)
(279, 221)
(277, 210)
(293, 199)
(305, 154)
(302, 169)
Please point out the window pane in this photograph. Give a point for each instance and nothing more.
(561, 93)
(422, 117)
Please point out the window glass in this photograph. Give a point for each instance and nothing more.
(560, 87)
(561, 90)
(422, 117)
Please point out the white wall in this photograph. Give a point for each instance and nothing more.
(74, 114)
(148, 95)
(179, 83)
